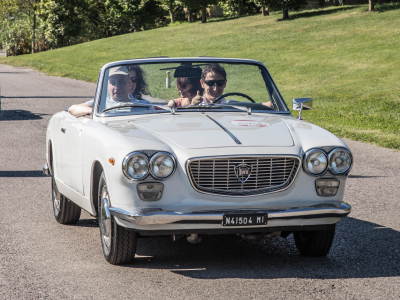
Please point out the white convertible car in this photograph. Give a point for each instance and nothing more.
(225, 157)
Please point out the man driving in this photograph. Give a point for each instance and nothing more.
(119, 86)
(213, 80)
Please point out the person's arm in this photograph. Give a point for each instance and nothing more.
(172, 103)
(269, 104)
(82, 109)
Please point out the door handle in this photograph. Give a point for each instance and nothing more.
(63, 130)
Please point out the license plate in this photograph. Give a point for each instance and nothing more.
(244, 219)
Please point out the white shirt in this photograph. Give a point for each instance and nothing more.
(222, 101)
(110, 103)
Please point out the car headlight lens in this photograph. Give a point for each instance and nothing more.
(135, 166)
(315, 162)
(162, 165)
(340, 161)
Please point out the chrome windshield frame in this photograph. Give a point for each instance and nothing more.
(160, 60)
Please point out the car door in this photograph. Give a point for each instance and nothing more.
(73, 134)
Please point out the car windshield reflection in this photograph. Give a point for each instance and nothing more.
(187, 86)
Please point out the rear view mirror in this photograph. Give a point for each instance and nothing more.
(188, 72)
(300, 104)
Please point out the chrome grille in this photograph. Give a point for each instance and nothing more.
(217, 175)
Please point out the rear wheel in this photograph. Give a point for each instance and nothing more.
(65, 211)
(119, 244)
(314, 243)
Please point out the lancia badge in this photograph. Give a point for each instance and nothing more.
(243, 172)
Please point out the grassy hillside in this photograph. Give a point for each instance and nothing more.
(346, 59)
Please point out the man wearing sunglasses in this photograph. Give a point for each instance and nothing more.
(121, 89)
(213, 80)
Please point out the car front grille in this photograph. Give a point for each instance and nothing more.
(265, 174)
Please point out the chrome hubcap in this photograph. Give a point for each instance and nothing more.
(105, 220)
(56, 199)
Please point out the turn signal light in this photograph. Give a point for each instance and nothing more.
(327, 187)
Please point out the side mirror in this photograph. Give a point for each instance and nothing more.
(300, 104)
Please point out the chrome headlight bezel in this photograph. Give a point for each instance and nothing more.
(152, 160)
(125, 164)
(330, 157)
(307, 155)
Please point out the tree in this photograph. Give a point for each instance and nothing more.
(231, 7)
(371, 5)
(169, 5)
(142, 14)
(264, 6)
(285, 5)
(62, 20)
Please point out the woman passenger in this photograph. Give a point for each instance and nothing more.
(189, 89)
(139, 86)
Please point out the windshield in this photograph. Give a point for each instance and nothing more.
(187, 86)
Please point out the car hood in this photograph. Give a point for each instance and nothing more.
(210, 130)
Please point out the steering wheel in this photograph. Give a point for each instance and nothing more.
(231, 94)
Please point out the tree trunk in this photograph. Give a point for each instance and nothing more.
(371, 5)
(285, 14)
(171, 12)
(239, 8)
(204, 13)
(189, 15)
(264, 10)
(33, 32)
(336, 2)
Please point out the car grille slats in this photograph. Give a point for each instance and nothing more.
(267, 174)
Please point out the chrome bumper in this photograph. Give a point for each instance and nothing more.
(158, 216)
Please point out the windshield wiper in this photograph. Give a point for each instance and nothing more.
(127, 105)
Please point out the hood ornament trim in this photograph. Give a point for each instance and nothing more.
(243, 172)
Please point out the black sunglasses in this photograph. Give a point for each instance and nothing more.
(134, 79)
(213, 82)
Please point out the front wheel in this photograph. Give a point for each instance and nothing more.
(314, 243)
(65, 211)
(119, 244)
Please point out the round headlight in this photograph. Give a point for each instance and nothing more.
(135, 166)
(315, 162)
(340, 161)
(162, 165)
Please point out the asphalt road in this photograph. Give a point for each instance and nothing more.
(40, 258)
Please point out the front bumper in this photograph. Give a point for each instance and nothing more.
(157, 219)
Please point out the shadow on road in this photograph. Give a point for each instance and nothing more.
(361, 250)
(19, 115)
(46, 97)
(22, 174)
(362, 176)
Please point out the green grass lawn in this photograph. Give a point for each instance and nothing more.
(346, 59)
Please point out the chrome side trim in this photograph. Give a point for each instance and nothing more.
(241, 156)
(226, 130)
(215, 217)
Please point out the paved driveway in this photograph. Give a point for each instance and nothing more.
(41, 259)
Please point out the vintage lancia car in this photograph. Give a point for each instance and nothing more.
(195, 146)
